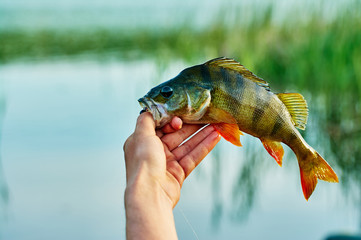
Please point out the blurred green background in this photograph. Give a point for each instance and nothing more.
(70, 75)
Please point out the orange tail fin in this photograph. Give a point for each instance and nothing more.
(313, 167)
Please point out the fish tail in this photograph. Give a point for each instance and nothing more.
(313, 167)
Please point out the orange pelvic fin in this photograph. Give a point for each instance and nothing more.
(311, 168)
(230, 132)
(275, 149)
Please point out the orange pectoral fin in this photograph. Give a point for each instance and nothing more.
(275, 149)
(230, 132)
(221, 116)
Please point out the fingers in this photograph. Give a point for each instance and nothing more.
(195, 155)
(145, 124)
(174, 125)
(188, 146)
(173, 140)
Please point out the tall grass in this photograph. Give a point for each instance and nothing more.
(324, 53)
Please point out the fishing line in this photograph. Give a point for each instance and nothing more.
(189, 223)
(186, 140)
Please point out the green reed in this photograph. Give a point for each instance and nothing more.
(324, 53)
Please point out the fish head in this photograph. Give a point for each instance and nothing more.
(188, 101)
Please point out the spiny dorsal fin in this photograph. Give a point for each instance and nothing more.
(231, 64)
(297, 107)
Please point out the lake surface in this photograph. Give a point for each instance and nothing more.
(62, 172)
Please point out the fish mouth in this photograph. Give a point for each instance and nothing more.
(159, 111)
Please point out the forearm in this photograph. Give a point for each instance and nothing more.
(149, 212)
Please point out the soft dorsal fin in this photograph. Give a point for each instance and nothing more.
(231, 64)
(297, 107)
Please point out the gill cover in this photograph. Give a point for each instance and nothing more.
(198, 100)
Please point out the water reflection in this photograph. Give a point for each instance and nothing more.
(246, 183)
(248, 164)
(82, 116)
(4, 194)
(344, 128)
(343, 125)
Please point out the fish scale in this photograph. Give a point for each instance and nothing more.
(225, 94)
(249, 103)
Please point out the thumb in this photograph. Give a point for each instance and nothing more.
(145, 124)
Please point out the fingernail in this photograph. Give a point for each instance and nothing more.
(179, 123)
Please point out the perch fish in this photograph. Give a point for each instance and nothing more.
(225, 94)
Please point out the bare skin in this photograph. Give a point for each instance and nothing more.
(156, 167)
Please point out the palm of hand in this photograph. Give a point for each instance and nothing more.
(168, 161)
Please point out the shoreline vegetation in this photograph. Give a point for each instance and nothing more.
(292, 51)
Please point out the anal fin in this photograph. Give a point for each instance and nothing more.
(230, 132)
(275, 149)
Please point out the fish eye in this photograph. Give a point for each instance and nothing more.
(166, 92)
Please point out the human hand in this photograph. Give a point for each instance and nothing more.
(156, 166)
(155, 161)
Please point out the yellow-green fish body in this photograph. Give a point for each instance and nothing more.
(225, 94)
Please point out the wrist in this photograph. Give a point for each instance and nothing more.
(144, 191)
(149, 211)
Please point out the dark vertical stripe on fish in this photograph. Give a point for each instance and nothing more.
(257, 115)
(225, 75)
(292, 137)
(239, 86)
(262, 103)
(205, 72)
(277, 126)
(230, 82)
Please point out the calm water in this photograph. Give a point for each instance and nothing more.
(62, 169)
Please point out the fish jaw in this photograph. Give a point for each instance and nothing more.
(158, 111)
